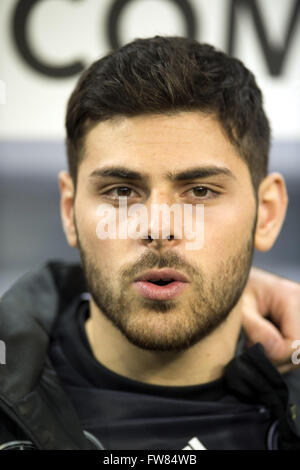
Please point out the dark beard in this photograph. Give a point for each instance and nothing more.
(167, 325)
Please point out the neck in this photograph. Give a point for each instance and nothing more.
(201, 363)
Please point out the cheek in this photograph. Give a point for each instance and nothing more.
(226, 230)
(110, 253)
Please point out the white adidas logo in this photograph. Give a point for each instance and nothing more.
(194, 444)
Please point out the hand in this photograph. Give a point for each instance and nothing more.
(271, 316)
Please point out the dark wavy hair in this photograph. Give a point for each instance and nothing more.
(167, 75)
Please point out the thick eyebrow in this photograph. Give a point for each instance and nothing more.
(116, 172)
(197, 172)
(200, 172)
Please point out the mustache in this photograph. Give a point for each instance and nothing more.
(152, 260)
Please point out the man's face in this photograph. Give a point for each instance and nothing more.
(152, 147)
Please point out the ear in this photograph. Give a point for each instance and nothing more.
(272, 206)
(67, 199)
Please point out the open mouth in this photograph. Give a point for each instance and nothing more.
(161, 284)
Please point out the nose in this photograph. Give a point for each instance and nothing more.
(167, 242)
(163, 219)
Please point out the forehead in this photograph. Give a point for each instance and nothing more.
(153, 143)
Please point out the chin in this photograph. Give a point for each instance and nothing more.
(161, 331)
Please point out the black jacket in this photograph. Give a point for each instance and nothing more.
(35, 412)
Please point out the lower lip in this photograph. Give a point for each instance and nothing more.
(153, 291)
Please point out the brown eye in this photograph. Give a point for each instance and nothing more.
(123, 191)
(115, 194)
(200, 191)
